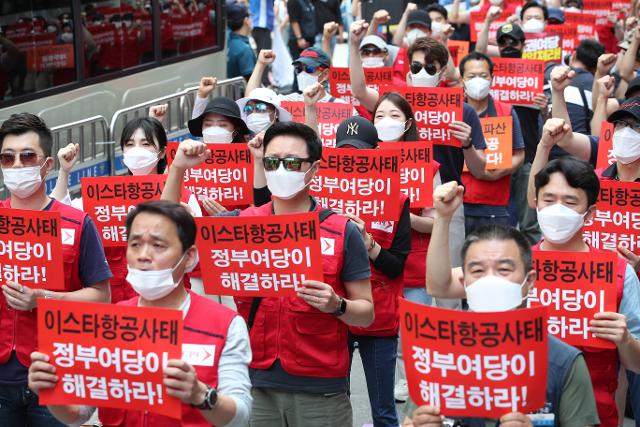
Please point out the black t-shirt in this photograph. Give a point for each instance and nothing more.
(327, 11)
(530, 123)
(304, 13)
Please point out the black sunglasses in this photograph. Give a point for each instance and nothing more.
(299, 68)
(27, 158)
(507, 41)
(293, 164)
(429, 68)
(371, 50)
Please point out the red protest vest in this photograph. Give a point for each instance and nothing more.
(481, 192)
(385, 291)
(603, 363)
(19, 328)
(307, 341)
(207, 323)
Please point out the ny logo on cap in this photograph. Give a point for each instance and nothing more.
(352, 129)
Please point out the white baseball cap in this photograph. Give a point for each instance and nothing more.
(265, 95)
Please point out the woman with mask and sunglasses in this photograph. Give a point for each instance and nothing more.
(261, 109)
(143, 142)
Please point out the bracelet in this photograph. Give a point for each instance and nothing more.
(373, 242)
(464, 147)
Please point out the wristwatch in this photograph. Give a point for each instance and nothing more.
(210, 399)
(464, 147)
(342, 308)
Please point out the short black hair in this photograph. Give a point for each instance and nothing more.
(531, 4)
(500, 232)
(588, 52)
(436, 7)
(578, 173)
(153, 131)
(21, 123)
(434, 51)
(476, 56)
(314, 144)
(183, 220)
(235, 25)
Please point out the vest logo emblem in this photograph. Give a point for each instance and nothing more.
(328, 246)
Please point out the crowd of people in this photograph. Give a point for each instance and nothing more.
(287, 361)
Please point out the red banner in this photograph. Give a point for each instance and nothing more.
(109, 199)
(605, 146)
(416, 171)
(266, 256)
(226, 177)
(458, 49)
(600, 9)
(517, 81)
(31, 248)
(185, 28)
(24, 42)
(340, 81)
(475, 364)
(365, 183)
(569, 33)
(575, 286)
(477, 19)
(584, 22)
(109, 355)
(543, 46)
(46, 58)
(329, 116)
(434, 109)
(616, 220)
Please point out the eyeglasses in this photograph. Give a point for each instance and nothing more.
(299, 67)
(621, 124)
(293, 164)
(507, 41)
(371, 50)
(259, 107)
(429, 68)
(27, 158)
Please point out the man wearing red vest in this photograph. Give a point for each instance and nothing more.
(300, 361)
(160, 247)
(25, 157)
(486, 197)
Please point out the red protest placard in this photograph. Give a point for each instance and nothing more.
(584, 22)
(616, 220)
(575, 286)
(544, 46)
(262, 256)
(458, 49)
(416, 171)
(517, 81)
(46, 58)
(109, 199)
(329, 116)
(600, 9)
(365, 183)
(475, 364)
(31, 248)
(434, 109)
(109, 355)
(569, 33)
(498, 134)
(340, 81)
(477, 19)
(226, 177)
(605, 146)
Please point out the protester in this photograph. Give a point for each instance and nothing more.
(240, 57)
(261, 109)
(219, 122)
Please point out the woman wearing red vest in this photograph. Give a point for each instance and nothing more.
(161, 237)
(143, 143)
(25, 157)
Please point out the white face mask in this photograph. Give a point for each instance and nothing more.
(572, 9)
(477, 88)
(626, 145)
(494, 293)
(140, 161)
(153, 284)
(424, 79)
(216, 135)
(495, 2)
(257, 122)
(22, 182)
(285, 184)
(306, 80)
(66, 37)
(413, 35)
(372, 62)
(436, 29)
(559, 223)
(389, 129)
(533, 26)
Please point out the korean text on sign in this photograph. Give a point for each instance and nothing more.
(226, 177)
(340, 81)
(434, 108)
(259, 255)
(517, 81)
(543, 46)
(498, 135)
(329, 116)
(605, 146)
(477, 19)
(616, 219)
(476, 364)
(31, 248)
(575, 286)
(109, 355)
(416, 171)
(108, 200)
(365, 183)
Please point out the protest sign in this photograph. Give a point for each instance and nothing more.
(517, 81)
(605, 146)
(477, 19)
(543, 46)
(585, 24)
(498, 134)
(458, 49)
(329, 116)
(416, 171)
(340, 81)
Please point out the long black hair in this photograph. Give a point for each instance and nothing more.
(153, 131)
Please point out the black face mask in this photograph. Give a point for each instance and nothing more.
(511, 52)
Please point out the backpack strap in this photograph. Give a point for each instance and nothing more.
(587, 112)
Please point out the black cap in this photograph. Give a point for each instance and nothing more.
(236, 12)
(556, 15)
(419, 16)
(634, 85)
(510, 30)
(629, 108)
(314, 57)
(225, 107)
(357, 132)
